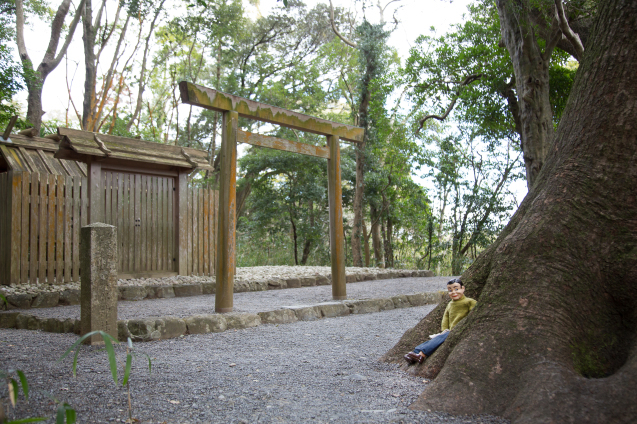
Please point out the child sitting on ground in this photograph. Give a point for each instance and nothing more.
(457, 309)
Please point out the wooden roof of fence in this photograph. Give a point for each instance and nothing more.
(36, 154)
(84, 145)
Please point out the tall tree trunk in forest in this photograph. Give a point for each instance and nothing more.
(531, 70)
(90, 28)
(376, 240)
(294, 239)
(389, 248)
(366, 244)
(552, 338)
(35, 77)
(430, 231)
(308, 240)
(359, 190)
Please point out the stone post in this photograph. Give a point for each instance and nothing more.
(98, 276)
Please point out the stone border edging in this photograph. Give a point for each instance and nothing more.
(67, 297)
(149, 329)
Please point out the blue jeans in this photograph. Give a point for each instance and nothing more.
(431, 345)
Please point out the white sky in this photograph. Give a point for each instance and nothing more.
(415, 17)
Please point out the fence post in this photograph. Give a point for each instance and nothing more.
(98, 276)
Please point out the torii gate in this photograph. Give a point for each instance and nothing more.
(232, 107)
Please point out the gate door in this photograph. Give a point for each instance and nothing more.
(142, 207)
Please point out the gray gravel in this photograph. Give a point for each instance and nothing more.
(254, 302)
(309, 371)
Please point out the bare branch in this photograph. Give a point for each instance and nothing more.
(69, 37)
(468, 80)
(142, 82)
(567, 31)
(555, 36)
(382, 9)
(111, 69)
(338, 34)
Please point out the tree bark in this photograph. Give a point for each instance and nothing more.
(357, 227)
(552, 337)
(531, 69)
(389, 248)
(366, 244)
(376, 240)
(35, 78)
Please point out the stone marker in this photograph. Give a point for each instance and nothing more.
(98, 277)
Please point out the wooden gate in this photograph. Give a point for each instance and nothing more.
(142, 208)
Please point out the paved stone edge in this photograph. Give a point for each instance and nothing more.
(159, 328)
(50, 299)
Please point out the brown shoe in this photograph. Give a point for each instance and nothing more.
(412, 357)
(409, 358)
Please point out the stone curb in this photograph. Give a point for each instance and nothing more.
(134, 293)
(159, 328)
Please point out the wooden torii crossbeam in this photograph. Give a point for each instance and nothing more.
(232, 107)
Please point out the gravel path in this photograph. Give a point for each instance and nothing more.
(309, 371)
(256, 301)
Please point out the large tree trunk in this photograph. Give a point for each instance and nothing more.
(531, 69)
(90, 78)
(357, 227)
(552, 339)
(34, 99)
(376, 240)
(35, 78)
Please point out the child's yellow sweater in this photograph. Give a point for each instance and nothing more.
(456, 310)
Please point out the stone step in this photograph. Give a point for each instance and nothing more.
(71, 296)
(158, 328)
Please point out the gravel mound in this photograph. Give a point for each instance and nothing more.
(310, 371)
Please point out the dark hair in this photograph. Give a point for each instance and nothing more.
(455, 280)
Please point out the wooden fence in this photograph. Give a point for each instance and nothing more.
(41, 216)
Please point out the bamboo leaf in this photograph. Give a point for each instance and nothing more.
(59, 418)
(77, 343)
(129, 361)
(70, 414)
(25, 385)
(112, 359)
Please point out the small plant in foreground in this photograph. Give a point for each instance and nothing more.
(112, 359)
(64, 410)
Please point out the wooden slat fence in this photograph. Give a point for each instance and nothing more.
(41, 215)
(202, 230)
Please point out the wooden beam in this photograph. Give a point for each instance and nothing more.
(7, 131)
(337, 242)
(226, 253)
(282, 144)
(208, 98)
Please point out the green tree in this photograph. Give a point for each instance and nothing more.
(11, 80)
(467, 76)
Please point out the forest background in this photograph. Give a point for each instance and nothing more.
(441, 169)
